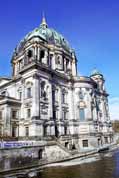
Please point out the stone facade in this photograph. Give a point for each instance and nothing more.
(46, 99)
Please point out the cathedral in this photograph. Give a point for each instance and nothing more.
(45, 99)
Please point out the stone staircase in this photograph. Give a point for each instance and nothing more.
(71, 152)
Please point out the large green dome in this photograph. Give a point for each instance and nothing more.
(47, 34)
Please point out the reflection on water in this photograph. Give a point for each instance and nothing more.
(116, 168)
(105, 167)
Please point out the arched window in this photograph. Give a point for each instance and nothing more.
(20, 93)
(29, 89)
(40, 154)
(29, 92)
(65, 130)
(14, 114)
(64, 96)
(64, 115)
(42, 54)
(14, 131)
(81, 114)
(81, 96)
(29, 56)
(43, 93)
(55, 94)
(28, 113)
(67, 64)
(50, 60)
(44, 130)
(60, 62)
(66, 144)
(27, 131)
(44, 90)
(30, 53)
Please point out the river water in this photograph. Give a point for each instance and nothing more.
(102, 166)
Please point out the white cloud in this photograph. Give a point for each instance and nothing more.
(114, 108)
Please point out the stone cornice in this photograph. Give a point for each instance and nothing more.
(8, 100)
(13, 80)
(42, 67)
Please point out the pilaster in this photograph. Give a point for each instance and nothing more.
(36, 97)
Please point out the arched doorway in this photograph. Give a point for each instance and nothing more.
(44, 130)
(40, 154)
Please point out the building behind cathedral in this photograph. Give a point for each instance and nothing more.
(46, 99)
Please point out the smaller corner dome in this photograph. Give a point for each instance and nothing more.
(47, 34)
(96, 72)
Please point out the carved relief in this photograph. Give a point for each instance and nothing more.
(44, 90)
(81, 95)
(59, 62)
(45, 58)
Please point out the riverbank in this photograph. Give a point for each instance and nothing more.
(86, 155)
(103, 165)
(34, 166)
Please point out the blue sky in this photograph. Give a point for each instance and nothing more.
(90, 26)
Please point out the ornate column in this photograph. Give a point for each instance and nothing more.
(15, 68)
(71, 103)
(50, 110)
(60, 122)
(7, 119)
(50, 114)
(64, 64)
(74, 67)
(21, 130)
(102, 110)
(89, 107)
(35, 52)
(36, 97)
(44, 60)
(60, 103)
(22, 99)
(53, 62)
(72, 112)
(38, 54)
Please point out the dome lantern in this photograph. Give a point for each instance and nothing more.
(43, 23)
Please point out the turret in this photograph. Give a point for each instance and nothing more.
(98, 78)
